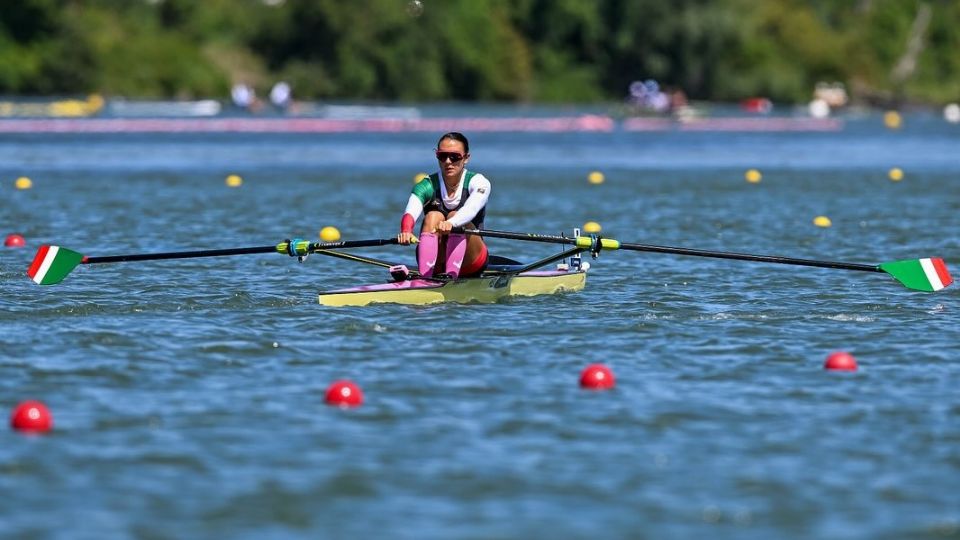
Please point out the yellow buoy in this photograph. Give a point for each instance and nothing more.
(822, 221)
(595, 177)
(420, 176)
(329, 234)
(23, 183)
(892, 119)
(591, 227)
(896, 174)
(234, 180)
(753, 176)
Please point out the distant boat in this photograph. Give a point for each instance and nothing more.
(125, 108)
(61, 108)
(353, 112)
(363, 112)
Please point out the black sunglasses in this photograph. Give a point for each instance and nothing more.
(454, 157)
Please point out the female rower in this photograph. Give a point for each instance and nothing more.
(453, 197)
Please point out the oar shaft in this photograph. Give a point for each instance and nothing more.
(613, 244)
(179, 255)
(302, 248)
(748, 257)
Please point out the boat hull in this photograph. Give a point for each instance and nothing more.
(484, 289)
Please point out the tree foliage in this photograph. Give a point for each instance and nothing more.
(487, 50)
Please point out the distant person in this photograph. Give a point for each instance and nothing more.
(281, 95)
(451, 197)
(244, 97)
(646, 96)
(678, 100)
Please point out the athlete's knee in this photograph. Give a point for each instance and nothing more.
(431, 219)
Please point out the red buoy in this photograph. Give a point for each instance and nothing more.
(14, 240)
(344, 394)
(597, 377)
(840, 361)
(31, 416)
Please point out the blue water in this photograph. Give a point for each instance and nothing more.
(188, 394)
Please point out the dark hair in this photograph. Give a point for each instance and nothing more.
(457, 136)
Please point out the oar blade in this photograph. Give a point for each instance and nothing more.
(52, 263)
(929, 275)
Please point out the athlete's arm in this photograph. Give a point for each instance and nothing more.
(476, 200)
(422, 192)
(412, 213)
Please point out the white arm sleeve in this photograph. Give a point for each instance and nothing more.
(476, 200)
(414, 207)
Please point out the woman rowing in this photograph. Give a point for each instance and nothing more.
(453, 197)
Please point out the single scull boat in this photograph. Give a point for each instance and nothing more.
(502, 277)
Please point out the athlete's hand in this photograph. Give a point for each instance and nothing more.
(444, 227)
(405, 238)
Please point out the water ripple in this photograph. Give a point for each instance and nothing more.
(188, 395)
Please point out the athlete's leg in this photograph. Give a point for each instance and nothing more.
(476, 257)
(474, 264)
(428, 246)
(464, 250)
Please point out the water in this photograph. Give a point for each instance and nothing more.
(188, 395)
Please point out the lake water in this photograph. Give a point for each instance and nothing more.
(187, 395)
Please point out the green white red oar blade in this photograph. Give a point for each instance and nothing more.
(928, 275)
(52, 263)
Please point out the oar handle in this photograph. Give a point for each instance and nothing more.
(531, 237)
(304, 247)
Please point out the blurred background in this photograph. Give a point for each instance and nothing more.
(107, 57)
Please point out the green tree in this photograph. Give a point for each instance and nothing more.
(491, 50)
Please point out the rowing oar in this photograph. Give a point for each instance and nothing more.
(929, 274)
(52, 263)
